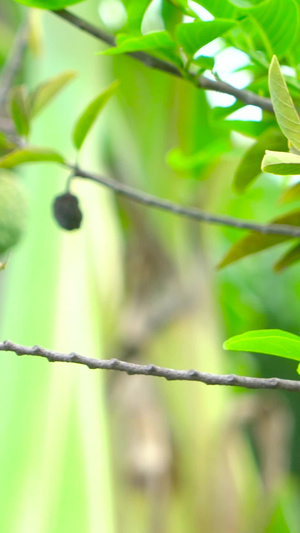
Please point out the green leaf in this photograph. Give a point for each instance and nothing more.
(290, 257)
(19, 108)
(281, 163)
(49, 4)
(219, 8)
(151, 41)
(34, 154)
(242, 3)
(3, 265)
(90, 114)
(246, 127)
(46, 91)
(268, 341)
(291, 195)
(184, 7)
(193, 35)
(35, 32)
(13, 212)
(285, 111)
(278, 21)
(271, 26)
(5, 144)
(135, 13)
(181, 162)
(221, 113)
(204, 62)
(250, 165)
(256, 242)
(292, 149)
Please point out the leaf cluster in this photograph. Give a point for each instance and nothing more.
(276, 162)
(266, 31)
(24, 107)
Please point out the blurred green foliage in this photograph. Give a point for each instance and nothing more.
(83, 451)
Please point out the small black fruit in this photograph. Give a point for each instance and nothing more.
(67, 211)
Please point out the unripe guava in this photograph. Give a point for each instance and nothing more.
(67, 212)
(13, 211)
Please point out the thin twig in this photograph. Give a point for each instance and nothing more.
(152, 370)
(247, 97)
(189, 212)
(14, 63)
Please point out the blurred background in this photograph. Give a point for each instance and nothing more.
(88, 451)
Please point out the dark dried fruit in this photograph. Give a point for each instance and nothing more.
(67, 212)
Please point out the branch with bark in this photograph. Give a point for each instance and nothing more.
(194, 213)
(132, 194)
(14, 63)
(245, 96)
(170, 374)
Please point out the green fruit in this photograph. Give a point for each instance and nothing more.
(13, 212)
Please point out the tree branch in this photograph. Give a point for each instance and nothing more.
(14, 63)
(247, 97)
(170, 374)
(188, 212)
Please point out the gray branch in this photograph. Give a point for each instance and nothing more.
(170, 374)
(188, 212)
(14, 63)
(247, 97)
